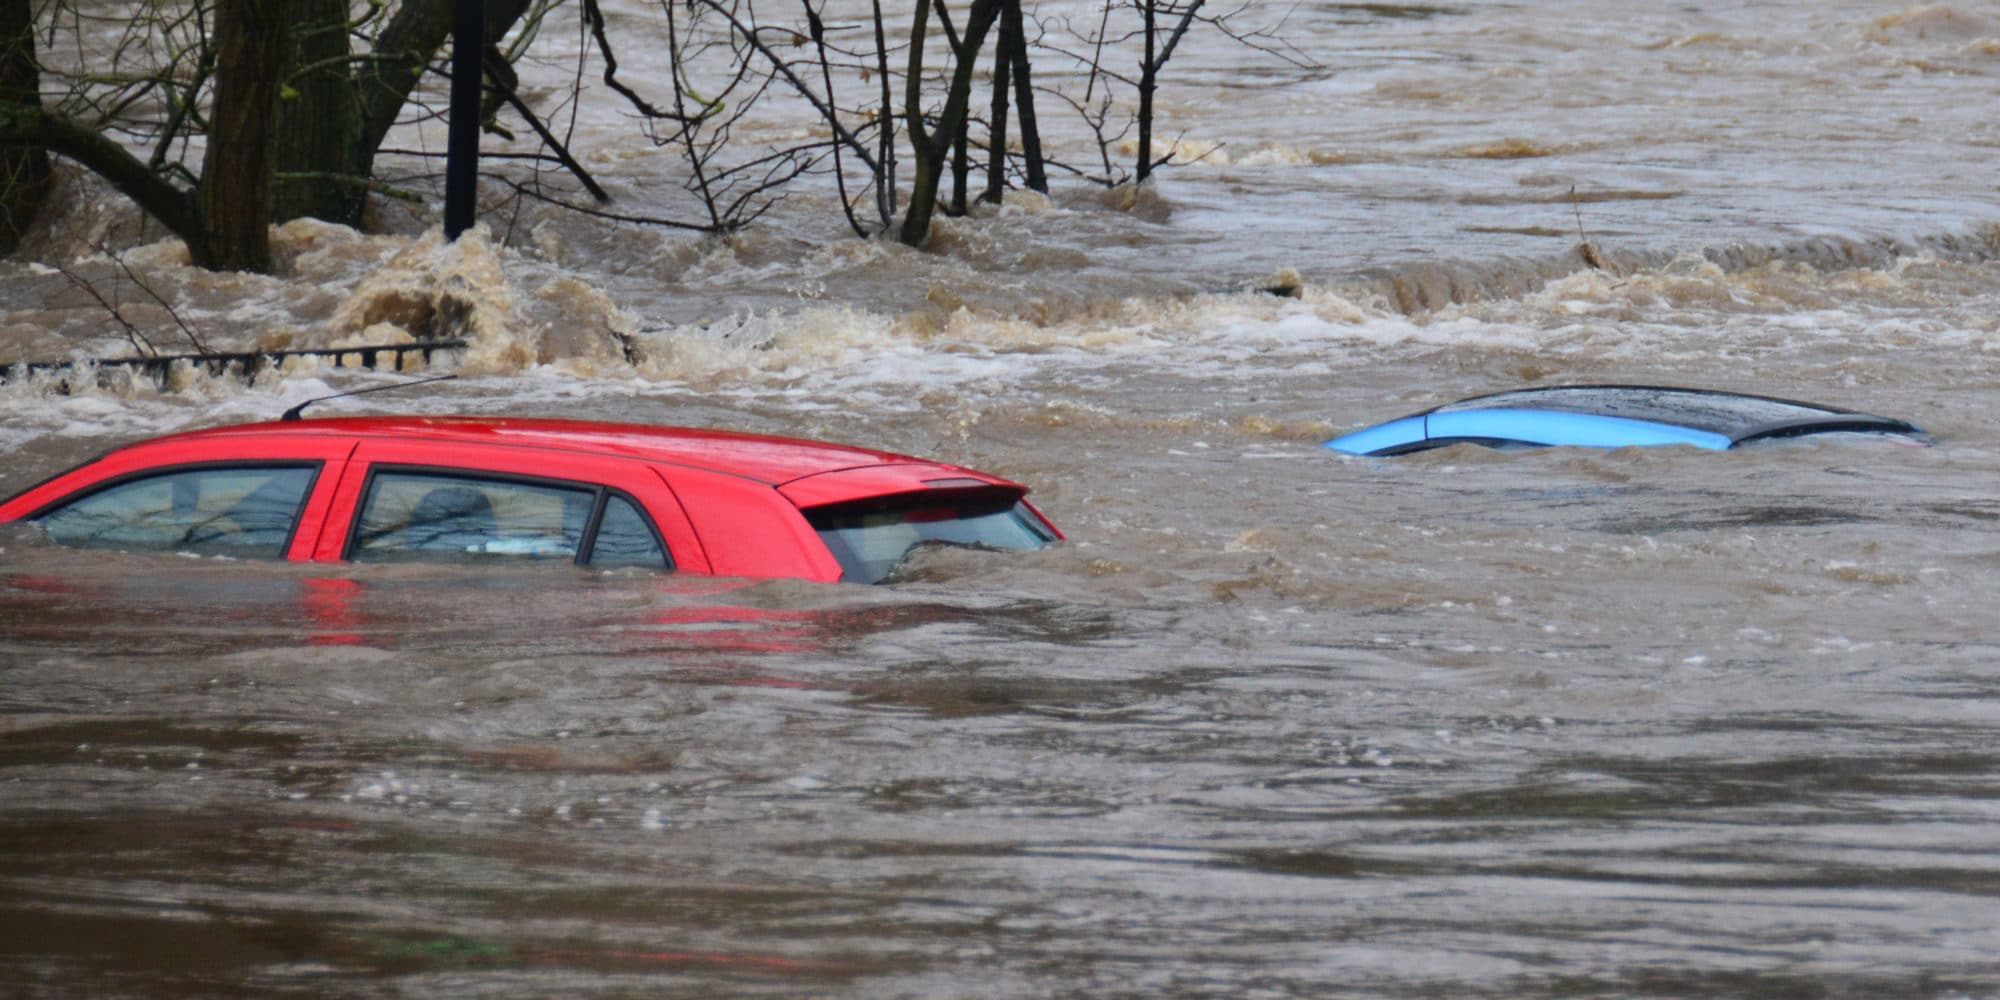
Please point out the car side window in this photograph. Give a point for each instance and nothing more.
(626, 538)
(240, 511)
(423, 515)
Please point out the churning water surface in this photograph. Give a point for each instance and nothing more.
(1275, 723)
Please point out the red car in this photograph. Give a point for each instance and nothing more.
(474, 488)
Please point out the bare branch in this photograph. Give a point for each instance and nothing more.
(644, 220)
(193, 338)
(594, 17)
(138, 340)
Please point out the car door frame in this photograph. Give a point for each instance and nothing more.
(520, 463)
(328, 454)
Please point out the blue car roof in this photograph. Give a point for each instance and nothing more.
(1612, 416)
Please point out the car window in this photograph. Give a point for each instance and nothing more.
(626, 538)
(227, 511)
(422, 515)
(871, 542)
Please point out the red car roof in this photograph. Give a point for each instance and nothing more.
(771, 460)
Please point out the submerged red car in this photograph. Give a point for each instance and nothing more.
(475, 488)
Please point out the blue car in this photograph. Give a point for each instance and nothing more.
(1614, 416)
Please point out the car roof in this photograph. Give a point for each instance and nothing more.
(767, 459)
(1613, 416)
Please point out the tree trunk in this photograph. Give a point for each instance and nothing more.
(923, 197)
(24, 170)
(319, 119)
(235, 191)
(996, 129)
(929, 148)
(1024, 100)
(961, 168)
(1148, 74)
(885, 158)
(402, 51)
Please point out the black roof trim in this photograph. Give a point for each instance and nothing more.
(1638, 387)
(1860, 423)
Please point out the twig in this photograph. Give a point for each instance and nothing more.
(1583, 247)
(382, 188)
(594, 17)
(644, 220)
(818, 30)
(192, 337)
(139, 341)
(521, 108)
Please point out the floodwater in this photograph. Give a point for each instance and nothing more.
(1276, 723)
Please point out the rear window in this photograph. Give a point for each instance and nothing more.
(870, 542)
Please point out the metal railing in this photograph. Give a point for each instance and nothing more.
(247, 364)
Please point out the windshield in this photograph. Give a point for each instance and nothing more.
(871, 542)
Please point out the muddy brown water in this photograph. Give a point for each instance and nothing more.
(1275, 723)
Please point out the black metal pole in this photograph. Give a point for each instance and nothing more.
(461, 171)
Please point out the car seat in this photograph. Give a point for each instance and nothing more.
(452, 518)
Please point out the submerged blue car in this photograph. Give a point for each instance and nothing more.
(1614, 416)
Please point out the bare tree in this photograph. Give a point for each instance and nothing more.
(292, 117)
(291, 101)
(1155, 57)
(929, 143)
(1161, 26)
(24, 170)
(224, 216)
